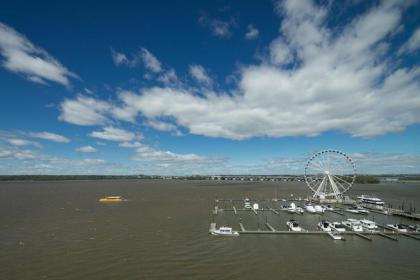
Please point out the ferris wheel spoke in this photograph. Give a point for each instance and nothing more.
(315, 168)
(340, 185)
(342, 180)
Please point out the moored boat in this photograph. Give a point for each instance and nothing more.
(397, 227)
(310, 208)
(324, 226)
(368, 225)
(293, 225)
(338, 227)
(224, 231)
(353, 225)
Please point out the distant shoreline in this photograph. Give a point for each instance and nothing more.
(360, 179)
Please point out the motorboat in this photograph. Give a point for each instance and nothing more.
(293, 225)
(310, 208)
(397, 227)
(338, 227)
(292, 208)
(247, 203)
(362, 210)
(370, 200)
(299, 210)
(319, 209)
(335, 235)
(111, 199)
(353, 225)
(224, 231)
(368, 225)
(324, 226)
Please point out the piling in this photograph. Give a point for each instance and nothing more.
(234, 210)
(242, 227)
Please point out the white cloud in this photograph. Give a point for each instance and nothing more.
(200, 74)
(280, 53)
(111, 133)
(50, 136)
(22, 142)
(22, 57)
(86, 149)
(218, 27)
(150, 61)
(84, 111)
(252, 32)
(338, 82)
(161, 126)
(413, 44)
(168, 77)
(118, 58)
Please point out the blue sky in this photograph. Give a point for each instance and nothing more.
(195, 87)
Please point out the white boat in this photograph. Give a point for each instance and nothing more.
(338, 227)
(324, 225)
(335, 235)
(319, 209)
(362, 210)
(247, 203)
(397, 227)
(353, 211)
(293, 225)
(224, 231)
(368, 225)
(299, 210)
(353, 225)
(292, 208)
(370, 200)
(309, 208)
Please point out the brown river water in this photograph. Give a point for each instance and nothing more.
(59, 230)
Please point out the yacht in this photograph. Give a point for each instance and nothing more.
(338, 227)
(397, 227)
(293, 225)
(352, 210)
(368, 225)
(353, 225)
(324, 225)
(370, 200)
(224, 231)
(319, 209)
(310, 208)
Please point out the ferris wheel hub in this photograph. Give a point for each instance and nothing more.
(327, 172)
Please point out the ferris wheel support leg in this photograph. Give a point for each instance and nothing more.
(319, 191)
(337, 193)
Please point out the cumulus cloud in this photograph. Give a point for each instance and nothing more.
(86, 149)
(252, 32)
(50, 136)
(111, 133)
(218, 27)
(339, 82)
(22, 57)
(200, 74)
(84, 110)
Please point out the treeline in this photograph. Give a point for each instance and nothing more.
(366, 179)
(69, 177)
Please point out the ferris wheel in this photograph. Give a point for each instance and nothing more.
(330, 173)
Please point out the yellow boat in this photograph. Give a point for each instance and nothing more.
(111, 199)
